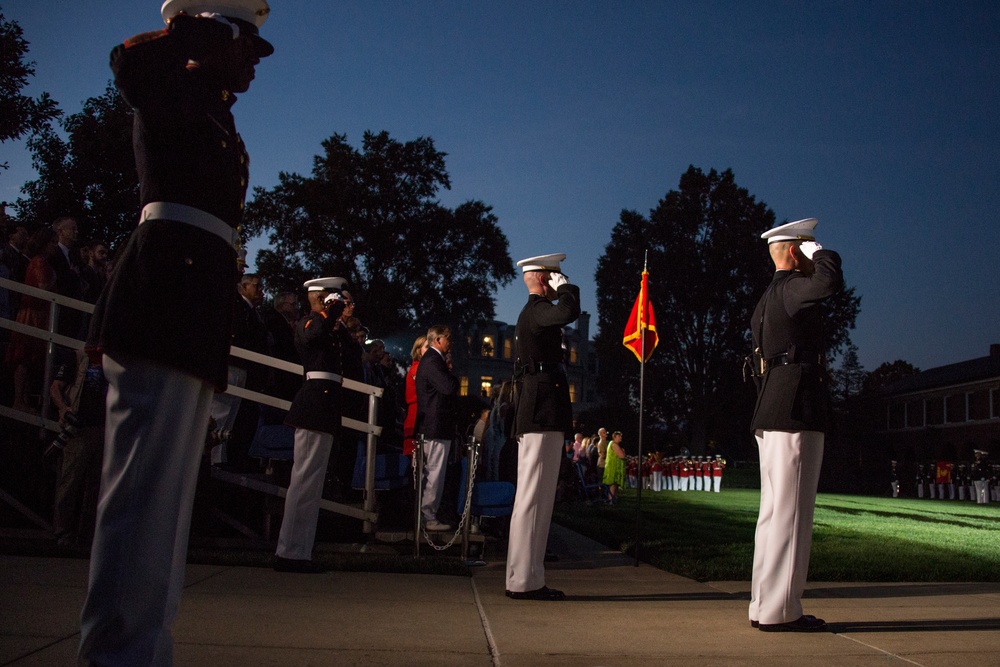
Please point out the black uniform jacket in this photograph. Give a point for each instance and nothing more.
(317, 405)
(544, 403)
(170, 297)
(437, 393)
(788, 321)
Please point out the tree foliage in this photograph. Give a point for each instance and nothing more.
(887, 373)
(90, 174)
(19, 114)
(707, 267)
(372, 216)
(849, 379)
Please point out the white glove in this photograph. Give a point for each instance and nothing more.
(331, 297)
(556, 280)
(809, 248)
(222, 19)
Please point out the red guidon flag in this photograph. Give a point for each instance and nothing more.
(641, 322)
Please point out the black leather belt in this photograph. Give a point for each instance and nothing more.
(799, 358)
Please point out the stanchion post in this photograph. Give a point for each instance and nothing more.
(418, 484)
(470, 475)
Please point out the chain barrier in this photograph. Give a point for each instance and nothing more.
(473, 456)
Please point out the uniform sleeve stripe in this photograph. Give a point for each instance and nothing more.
(144, 37)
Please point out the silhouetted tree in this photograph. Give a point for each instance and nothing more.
(91, 174)
(372, 217)
(887, 373)
(19, 114)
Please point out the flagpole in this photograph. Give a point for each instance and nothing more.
(642, 386)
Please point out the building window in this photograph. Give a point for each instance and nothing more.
(897, 415)
(935, 411)
(995, 411)
(488, 350)
(979, 405)
(507, 348)
(955, 408)
(572, 353)
(463, 388)
(486, 387)
(572, 392)
(915, 414)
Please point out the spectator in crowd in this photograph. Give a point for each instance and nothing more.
(602, 452)
(14, 258)
(315, 414)
(437, 390)
(579, 448)
(249, 333)
(416, 352)
(66, 265)
(93, 272)
(279, 320)
(78, 392)
(163, 323)
(25, 354)
(614, 466)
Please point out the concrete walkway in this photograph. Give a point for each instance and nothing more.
(616, 614)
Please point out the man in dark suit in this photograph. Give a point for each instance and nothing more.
(437, 391)
(65, 263)
(315, 414)
(163, 322)
(543, 416)
(789, 422)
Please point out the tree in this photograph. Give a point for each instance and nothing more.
(708, 267)
(887, 373)
(371, 216)
(90, 175)
(849, 379)
(19, 114)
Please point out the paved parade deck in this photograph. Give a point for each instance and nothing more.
(615, 614)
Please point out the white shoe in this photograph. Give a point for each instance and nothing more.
(434, 524)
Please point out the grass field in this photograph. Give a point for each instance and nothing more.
(709, 536)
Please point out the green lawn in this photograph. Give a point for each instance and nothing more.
(709, 536)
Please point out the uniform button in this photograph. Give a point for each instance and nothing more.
(188, 261)
(223, 143)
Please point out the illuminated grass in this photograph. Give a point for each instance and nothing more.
(709, 536)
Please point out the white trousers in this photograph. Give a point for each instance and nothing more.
(538, 457)
(790, 463)
(982, 491)
(435, 461)
(311, 455)
(157, 420)
(717, 483)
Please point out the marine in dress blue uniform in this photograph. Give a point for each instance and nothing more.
(163, 322)
(544, 415)
(315, 413)
(790, 420)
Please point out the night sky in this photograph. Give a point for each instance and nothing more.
(879, 118)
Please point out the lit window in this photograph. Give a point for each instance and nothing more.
(572, 353)
(488, 349)
(572, 392)
(485, 387)
(506, 349)
(463, 389)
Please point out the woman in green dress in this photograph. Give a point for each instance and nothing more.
(614, 466)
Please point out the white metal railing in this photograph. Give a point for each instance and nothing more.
(370, 428)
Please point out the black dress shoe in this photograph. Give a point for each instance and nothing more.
(801, 624)
(543, 593)
(754, 624)
(298, 566)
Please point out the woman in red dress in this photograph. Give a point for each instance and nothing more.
(27, 353)
(419, 347)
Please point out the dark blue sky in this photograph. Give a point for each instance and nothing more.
(879, 118)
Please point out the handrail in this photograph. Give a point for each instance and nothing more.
(369, 428)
